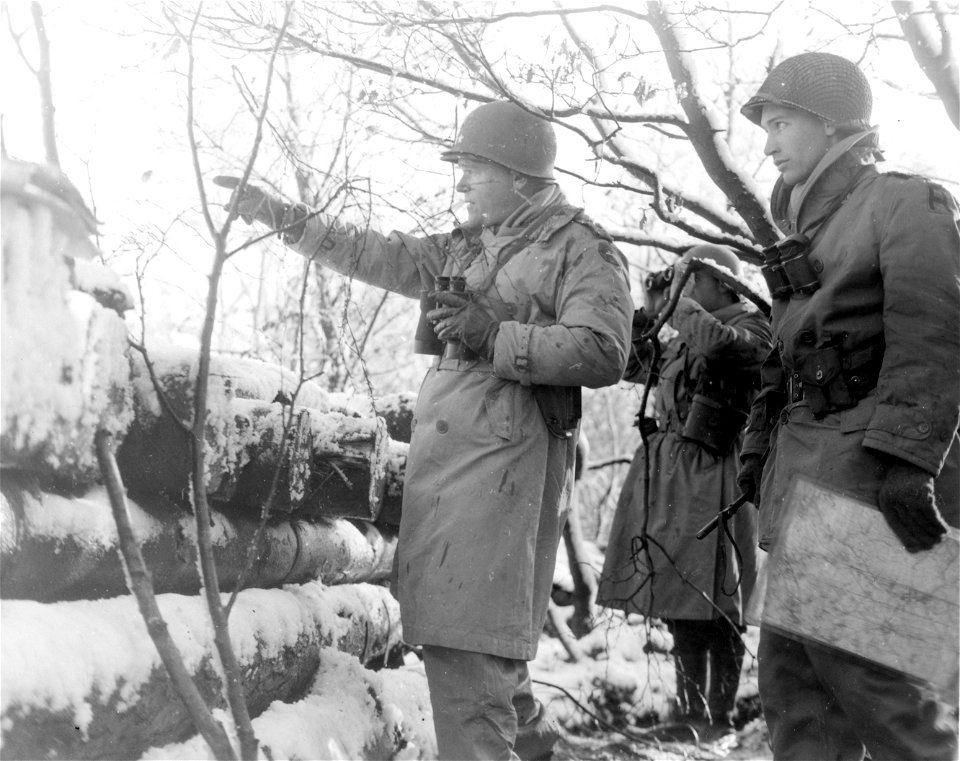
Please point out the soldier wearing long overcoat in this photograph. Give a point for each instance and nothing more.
(546, 310)
(654, 564)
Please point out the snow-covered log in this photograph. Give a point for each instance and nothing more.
(175, 370)
(63, 363)
(396, 467)
(397, 412)
(350, 712)
(83, 680)
(328, 463)
(65, 548)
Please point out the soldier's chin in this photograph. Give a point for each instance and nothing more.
(474, 218)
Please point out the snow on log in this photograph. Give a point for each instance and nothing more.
(350, 712)
(329, 464)
(63, 361)
(103, 284)
(396, 465)
(397, 412)
(348, 467)
(83, 680)
(175, 370)
(65, 548)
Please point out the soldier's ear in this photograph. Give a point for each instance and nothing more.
(519, 181)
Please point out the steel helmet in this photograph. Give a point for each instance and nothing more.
(508, 135)
(828, 86)
(710, 252)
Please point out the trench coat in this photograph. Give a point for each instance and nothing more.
(486, 484)
(679, 576)
(888, 264)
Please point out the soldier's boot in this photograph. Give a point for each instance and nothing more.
(726, 661)
(691, 670)
(536, 739)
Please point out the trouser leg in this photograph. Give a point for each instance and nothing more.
(472, 699)
(537, 730)
(804, 719)
(690, 660)
(896, 717)
(726, 660)
(524, 703)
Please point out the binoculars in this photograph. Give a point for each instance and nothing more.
(425, 339)
(787, 269)
(659, 281)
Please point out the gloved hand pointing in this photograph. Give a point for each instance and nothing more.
(463, 319)
(908, 502)
(254, 203)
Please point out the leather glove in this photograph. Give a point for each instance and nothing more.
(254, 203)
(642, 320)
(908, 502)
(748, 479)
(462, 319)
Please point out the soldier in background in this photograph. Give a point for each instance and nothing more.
(545, 310)
(862, 392)
(706, 377)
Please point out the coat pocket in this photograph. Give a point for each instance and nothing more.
(499, 402)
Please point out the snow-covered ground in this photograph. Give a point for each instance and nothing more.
(613, 700)
(608, 703)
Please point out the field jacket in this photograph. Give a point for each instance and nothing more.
(888, 265)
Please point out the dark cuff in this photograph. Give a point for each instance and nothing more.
(293, 222)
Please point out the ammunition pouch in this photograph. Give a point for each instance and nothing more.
(830, 380)
(786, 268)
(561, 408)
(713, 424)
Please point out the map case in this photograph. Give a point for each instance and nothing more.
(838, 575)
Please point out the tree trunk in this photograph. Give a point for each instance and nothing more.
(42, 561)
(108, 696)
(583, 573)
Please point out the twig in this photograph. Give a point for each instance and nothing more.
(208, 569)
(623, 459)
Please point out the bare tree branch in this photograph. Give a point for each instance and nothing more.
(142, 588)
(233, 676)
(931, 41)
(705, 133)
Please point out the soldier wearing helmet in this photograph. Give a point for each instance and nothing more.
(545, 309)
(681, 477)
(861, 394)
